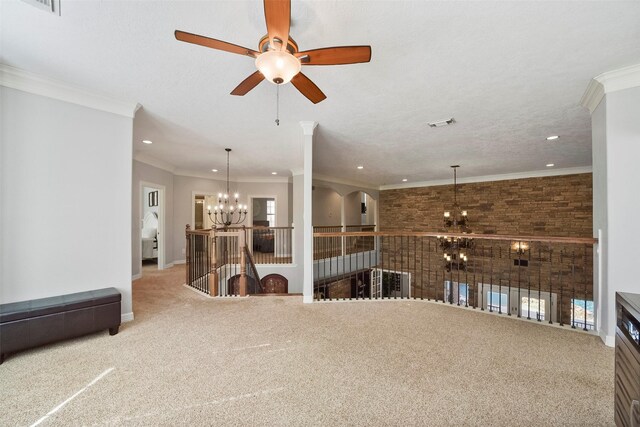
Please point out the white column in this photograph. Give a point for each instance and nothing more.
(307, 226)
(343, 223)
(613, 98)
(298, 228)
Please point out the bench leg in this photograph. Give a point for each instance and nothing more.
(114, 330)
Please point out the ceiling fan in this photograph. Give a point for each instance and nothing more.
(278, 58)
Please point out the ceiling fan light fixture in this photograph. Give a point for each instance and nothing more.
(277, 66)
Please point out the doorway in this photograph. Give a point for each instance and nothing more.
(152, 205)
(263, 216)
(201, 202)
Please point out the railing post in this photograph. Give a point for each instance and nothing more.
(242, 243)
(213, 272)
(243, 272)
(187, 251)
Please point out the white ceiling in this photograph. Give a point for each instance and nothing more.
(511, 73)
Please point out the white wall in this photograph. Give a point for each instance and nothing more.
(344, 189)
(600, 222)
(298, 235)
(352, 208)
(277, 190)
(353, 195)
(259, 209)
(372, 210)
(184, 186)
(73, 164)
(622, 109)
(143, 172)
(327, 206)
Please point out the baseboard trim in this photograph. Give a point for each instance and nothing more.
(608, 340)
(136, 276)
(179, 261)
(126, 317)
(168, 265)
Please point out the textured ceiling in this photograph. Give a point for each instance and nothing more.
(511, 73)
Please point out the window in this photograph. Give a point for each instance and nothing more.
(498, 301)
(271, 212)
(459, 294)
(582, 314)
(526, 303)
(532, 307)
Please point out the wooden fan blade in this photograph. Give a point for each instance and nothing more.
(247, 84)
(214, 44)
(277, 14)
(336, 55)
(308, 88)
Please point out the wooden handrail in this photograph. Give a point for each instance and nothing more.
(509, 237)
(200, 232)
(207, 231)
(256, 227)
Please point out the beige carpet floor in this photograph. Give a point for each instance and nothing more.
(188, 360)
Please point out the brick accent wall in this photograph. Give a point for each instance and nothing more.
(547, 206)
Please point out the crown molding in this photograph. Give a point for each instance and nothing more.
(203, 175)
(25, 81)
(297, 171)
(623, 78)
(152, 161)
(161, 164)
(611, 81)
(592, 96)
(334, 180)
(488, 178)
(241, 180)
(264, 179)
(308, 127)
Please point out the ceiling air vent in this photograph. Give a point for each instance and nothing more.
(51, 6)
(441, 123)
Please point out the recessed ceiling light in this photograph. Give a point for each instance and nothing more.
(146, 141)
(274, 173)
(214, 170)
(404, 179)
(550, 165)
(552, 137)
(360, 167)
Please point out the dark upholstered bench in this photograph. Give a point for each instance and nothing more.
(28, 324)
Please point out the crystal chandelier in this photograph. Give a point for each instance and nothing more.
(455, 220)
(225, 213)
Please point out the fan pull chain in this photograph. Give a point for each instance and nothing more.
(277, 105)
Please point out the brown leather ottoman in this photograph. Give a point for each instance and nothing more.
(28, 324)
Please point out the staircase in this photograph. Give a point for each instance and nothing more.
(220, 263)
